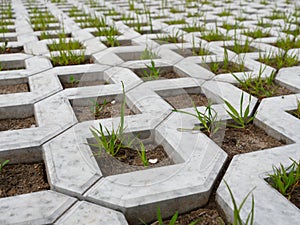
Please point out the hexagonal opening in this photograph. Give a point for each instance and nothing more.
(85, 79)
(137, 55)
(184, 97)
(101, 107)
(158, 154)
(159, 73)
(14, 86)
(12, 65)
(17, 117)
(24, 173)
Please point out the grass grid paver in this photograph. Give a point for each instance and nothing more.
(74, 54)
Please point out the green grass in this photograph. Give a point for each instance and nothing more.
(279, 60)
(214, 35)
(91, 21)
(175, 22)
(240, 117)
(194, 28)
(208, 119)
(285, 179)
(228, 26)
(106, 31)
(262, 23)
(287, 43)
(174, 37)
(259, 87)
(296, 112)
(68, 57)
(151, 72)
(225, 12)
(241, 48)
(111, 141)
(257, 33)
(3, 163)
(64, 44)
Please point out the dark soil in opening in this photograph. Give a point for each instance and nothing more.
(15, 124)
(295, 113)
(84, 113)
(148, 31)
(76, 62)
(163, 74)
(295, 195)
(238, 141)
(186, 100)
(83, 84)
(16, 88)
(128, 160)
(242, 49)
(192, 52)
(271, 90)
(163, 41)
(118, 43)
(274, 63)
(12, 50)
(17, 179)
(207, 215)
(230, 68)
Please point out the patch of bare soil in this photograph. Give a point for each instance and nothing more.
(17, 179)
(83, 84)
(15, 124)
(192, 52)
(295, 195)
(84, 113)
(128, 160)
(230, 68)
(12, 50)
(186, 100)
(164, 74)
(208, 215)
(238, 141)
(16, 88)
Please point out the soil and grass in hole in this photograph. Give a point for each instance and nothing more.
(241, 136)
(67, 52)
(152, 72)
(287, 181)
(241, 47)
(127, 152)
(75, 81)
(174, 37)
(226, 66)
(296, 112)
(262, 87)
(196, 50)
(5, 49)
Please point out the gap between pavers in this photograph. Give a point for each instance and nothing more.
(248, 171)
(90, 214)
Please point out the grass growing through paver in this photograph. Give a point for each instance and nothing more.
(279, 60)
(214, 35)
(286, 180)
(257, 33)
